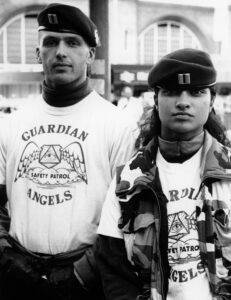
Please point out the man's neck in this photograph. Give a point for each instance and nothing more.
(66, 94)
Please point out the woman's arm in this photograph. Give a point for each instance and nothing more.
(118, 277)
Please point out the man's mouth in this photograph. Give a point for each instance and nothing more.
(61, 65)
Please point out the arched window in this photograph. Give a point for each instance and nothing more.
(18, 40)
(164, 37)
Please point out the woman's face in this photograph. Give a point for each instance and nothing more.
(183, 113)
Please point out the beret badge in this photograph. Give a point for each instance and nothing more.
(184, 78)
(52, 18)
(97, 41)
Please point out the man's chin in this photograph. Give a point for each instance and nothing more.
(61, 79)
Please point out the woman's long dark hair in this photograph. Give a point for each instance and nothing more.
(152, 125)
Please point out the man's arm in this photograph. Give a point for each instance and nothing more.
(4, 216)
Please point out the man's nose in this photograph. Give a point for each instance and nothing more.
(61, 49)
(183, 100)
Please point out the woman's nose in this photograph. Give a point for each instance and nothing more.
(183, 101)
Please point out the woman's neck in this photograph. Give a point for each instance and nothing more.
(180, 150)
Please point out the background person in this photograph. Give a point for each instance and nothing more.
(131, 106)
(125, 95)
(57, 159)
(165, 232)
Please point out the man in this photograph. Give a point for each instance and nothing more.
(130, 105)
(57, 159)
(125, 95)
(169, 233)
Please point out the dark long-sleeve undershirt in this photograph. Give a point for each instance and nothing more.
(119, 279)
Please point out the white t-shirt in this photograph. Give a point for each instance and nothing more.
(180, 184)
(57, 164)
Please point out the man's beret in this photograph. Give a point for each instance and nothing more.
(65, 18)
(183, 69)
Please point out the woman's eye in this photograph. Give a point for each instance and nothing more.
(166, 92)
(197, 92)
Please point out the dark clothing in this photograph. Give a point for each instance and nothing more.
(67, 94)
(119, 280)
(29, 276)
(143, 234)
(18, 286)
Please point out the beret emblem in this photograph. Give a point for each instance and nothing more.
(52, 18)
(96, 36)
(184, 78)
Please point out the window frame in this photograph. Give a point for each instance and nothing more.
(155, 55)
(22, 65)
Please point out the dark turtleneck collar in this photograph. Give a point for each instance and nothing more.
(66, 94)
(180, 151)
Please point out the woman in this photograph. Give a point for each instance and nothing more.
(165, 233)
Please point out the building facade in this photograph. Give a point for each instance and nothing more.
(140, 32)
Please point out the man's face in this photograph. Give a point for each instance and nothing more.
(183, 113)
(64, 56)
(126, 92)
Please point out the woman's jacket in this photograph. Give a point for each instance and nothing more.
(144, 226)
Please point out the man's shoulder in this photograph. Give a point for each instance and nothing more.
(22, 112)
(106, 108)
(100, 101)
(109, 114)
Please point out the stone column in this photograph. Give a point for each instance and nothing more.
(101, 69)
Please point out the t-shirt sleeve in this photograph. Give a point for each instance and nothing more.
(110, 214)
(122, 140)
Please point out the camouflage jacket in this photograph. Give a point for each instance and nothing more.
(144, 219)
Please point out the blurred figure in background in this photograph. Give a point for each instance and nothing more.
(130, 105)
(126, 95)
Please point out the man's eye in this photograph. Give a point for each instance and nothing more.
(49, 43)
(73, 43)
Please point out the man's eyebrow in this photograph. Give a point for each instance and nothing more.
(50, 37)
(74, 37)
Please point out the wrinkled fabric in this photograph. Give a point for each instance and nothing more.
(141, 217)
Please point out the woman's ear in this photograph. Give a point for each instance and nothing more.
(39, 59)
(156, 101)
(212, 102)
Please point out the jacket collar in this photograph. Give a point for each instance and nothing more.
(141, 169)
(174, 150)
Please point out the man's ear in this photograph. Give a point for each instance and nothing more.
(91, 55)
(39, 59)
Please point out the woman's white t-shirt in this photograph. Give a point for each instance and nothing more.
(180, 183)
